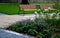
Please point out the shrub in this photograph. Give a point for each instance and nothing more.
(44, 34)
(40, 35)
(32, 32)
(29, 27)
(38, 6)
(54, 24)
(13, 27)
(26, 28)
(20, 29)
(56, 6)
(56, 36)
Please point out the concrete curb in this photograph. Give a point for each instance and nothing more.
(11, 34)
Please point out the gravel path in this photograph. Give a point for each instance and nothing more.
(2, 14)
(6, 20)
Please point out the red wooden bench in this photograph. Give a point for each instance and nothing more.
(46, 7)
(27, 7)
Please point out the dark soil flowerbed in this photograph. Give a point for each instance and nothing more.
(38, 28)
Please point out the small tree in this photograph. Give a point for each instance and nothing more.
(25, 2)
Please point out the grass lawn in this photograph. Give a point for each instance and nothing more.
(9, 8)
(43, 3)
(26, 12)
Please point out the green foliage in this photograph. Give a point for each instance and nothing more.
(54, 24)
(56, 36)
(44, 34)
(40, 35)
(26, 28)
(20, 29)
(14, 9)
(51, 11)
(29, 27)
(32, 32)
(13, 27)
(57, 6)
(38, 6)
(38, 27)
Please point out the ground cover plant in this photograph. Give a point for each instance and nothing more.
(54, 24)
(38, 27)
(41, 28)
(56, 36)
(34, 28)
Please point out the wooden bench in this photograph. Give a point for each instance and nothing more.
(46, 7)
(28, 7)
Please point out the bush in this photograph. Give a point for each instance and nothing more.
(14, 26)
(32, 32)
(20, 29)
(54, 24)
(56, 6)
(40, 35)
(30, 27)
(38, 6)
(56, 36)
(44, 34)
(26, 28)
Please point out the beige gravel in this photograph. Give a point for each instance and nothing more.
(6, 20)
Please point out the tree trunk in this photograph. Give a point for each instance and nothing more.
(57, 1)
(25, 2)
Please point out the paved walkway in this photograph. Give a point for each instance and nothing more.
(6, 20)
(10, 34)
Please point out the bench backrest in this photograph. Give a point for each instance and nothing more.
(46, 6)
(26, 7)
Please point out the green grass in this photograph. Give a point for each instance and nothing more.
(9, 8)
(43, 3)
(26, 12)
